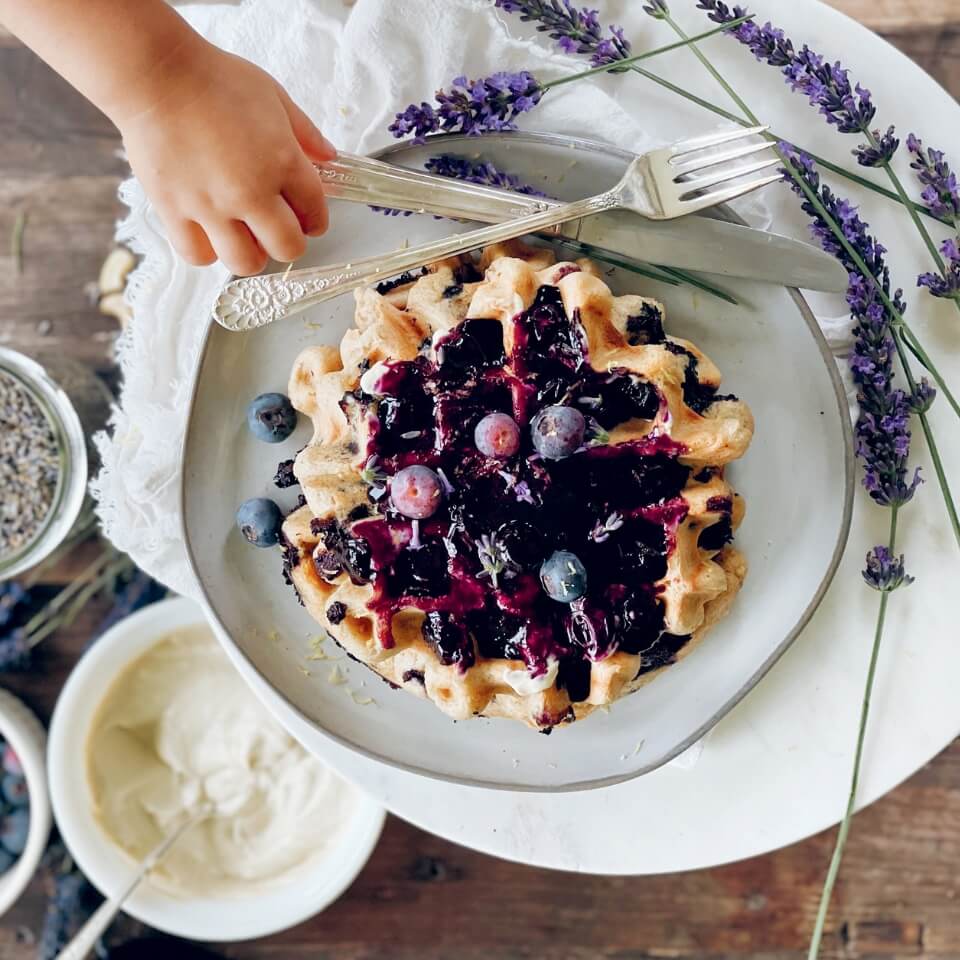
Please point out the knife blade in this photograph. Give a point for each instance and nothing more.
(706, 245)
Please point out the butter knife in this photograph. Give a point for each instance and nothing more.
(701, 244)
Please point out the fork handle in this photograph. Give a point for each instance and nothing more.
(250, 302)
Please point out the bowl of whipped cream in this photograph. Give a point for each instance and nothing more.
(156, 723)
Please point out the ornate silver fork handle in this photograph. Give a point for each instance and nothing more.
(250, 302)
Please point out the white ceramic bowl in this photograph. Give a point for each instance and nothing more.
(228, 918)
(25, 734)
(797, 480)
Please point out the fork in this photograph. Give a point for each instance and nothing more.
(662, 184)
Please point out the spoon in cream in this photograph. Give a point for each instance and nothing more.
(93, 929)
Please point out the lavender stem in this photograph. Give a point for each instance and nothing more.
(900, 325)
(649, 54)
(899, 342)
(838, 849)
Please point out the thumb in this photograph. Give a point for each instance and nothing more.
(314, 144)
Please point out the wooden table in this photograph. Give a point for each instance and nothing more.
(421, 898)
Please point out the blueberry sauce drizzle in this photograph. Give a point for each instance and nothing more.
(616, 506)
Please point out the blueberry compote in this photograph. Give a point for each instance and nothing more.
(473, 566)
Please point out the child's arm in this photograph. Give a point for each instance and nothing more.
(221, 149)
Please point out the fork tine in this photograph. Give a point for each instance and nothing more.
(688, 187)
(714, 140)
(716, 197)
(711, 160)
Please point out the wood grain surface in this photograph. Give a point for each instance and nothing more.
(421, 898)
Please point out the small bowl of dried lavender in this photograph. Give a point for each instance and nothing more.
(44, 456)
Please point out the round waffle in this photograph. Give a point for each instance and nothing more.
(645, 502)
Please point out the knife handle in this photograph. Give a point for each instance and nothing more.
(379, 184)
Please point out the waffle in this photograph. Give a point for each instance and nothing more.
(345, 555)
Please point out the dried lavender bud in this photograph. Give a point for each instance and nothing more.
(885, 572)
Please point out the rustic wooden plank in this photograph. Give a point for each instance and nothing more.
(901, 16)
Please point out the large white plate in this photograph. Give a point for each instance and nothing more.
(776, 769)
(772, 354)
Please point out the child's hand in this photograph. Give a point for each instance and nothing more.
(227, 159)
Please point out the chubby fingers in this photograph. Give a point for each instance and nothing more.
(303, 191)
(189, 239)
(277, 229)
(236, 246)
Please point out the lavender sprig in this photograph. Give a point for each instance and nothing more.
(848, 107)
(492, 104)
(576, 30)
(472, 106)
(882, 433)
(479, 171)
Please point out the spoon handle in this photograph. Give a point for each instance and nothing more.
(88, 935)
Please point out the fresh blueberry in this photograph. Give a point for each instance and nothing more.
(497, 435)
(557, 432)
(14, 828)
(271, 417)
(416, 492)
(563, 576)
(259, 520)
(7, 860)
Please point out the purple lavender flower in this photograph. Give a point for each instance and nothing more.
(882, 430)
(848, 107)
(576, 30)
(479, 171)
(876, 156)
(767, 43)
(941, 192)
(947, 284)
(472, 106)
(885, 572)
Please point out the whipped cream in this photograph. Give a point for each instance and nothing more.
(179, 729)
(524, 685)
